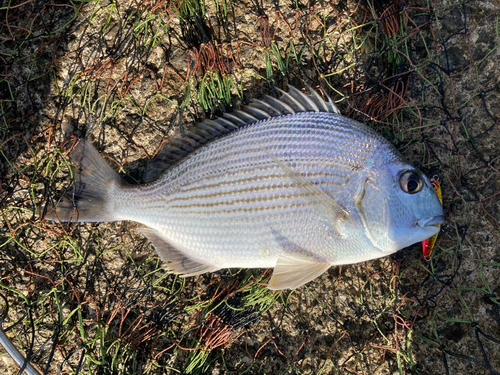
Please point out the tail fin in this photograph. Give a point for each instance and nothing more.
(93, 178)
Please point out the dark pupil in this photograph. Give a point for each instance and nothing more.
(412, 184)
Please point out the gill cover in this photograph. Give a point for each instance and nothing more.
(375, 216)
(393, 203)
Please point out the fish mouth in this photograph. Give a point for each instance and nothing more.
(431, 220)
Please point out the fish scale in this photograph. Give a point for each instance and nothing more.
(299, 192)
(237, 158)
(240, 161)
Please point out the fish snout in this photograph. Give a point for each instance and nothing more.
(431, 220)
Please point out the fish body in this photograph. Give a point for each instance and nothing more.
(299, 190)
(429, 243)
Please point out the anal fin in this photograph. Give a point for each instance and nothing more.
(176, 261)
(291, 272)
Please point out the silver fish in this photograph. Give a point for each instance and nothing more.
(297, 187)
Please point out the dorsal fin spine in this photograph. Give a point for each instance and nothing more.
(195, 137)
(307, 99)
(216, 125)
(235, 119)
(280, 104)
(294, 103)
(229, 125)
(257, 112)
(262, 105)
(318, 100)
(246, 116)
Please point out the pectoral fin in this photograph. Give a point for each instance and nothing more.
(291, 272)
(176, 261)
(325, 205)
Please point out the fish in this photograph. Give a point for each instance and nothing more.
(429, 243)
(287, 183)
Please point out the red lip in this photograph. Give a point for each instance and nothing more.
(429, 244)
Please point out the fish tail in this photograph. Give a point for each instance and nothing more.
(94, 182)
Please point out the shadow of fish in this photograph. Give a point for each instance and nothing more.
(294, 185)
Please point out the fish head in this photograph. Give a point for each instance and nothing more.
(417, 204)
(399, 206)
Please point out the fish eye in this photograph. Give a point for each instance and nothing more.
(410, 182)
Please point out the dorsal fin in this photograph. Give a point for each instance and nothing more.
(289, 102)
